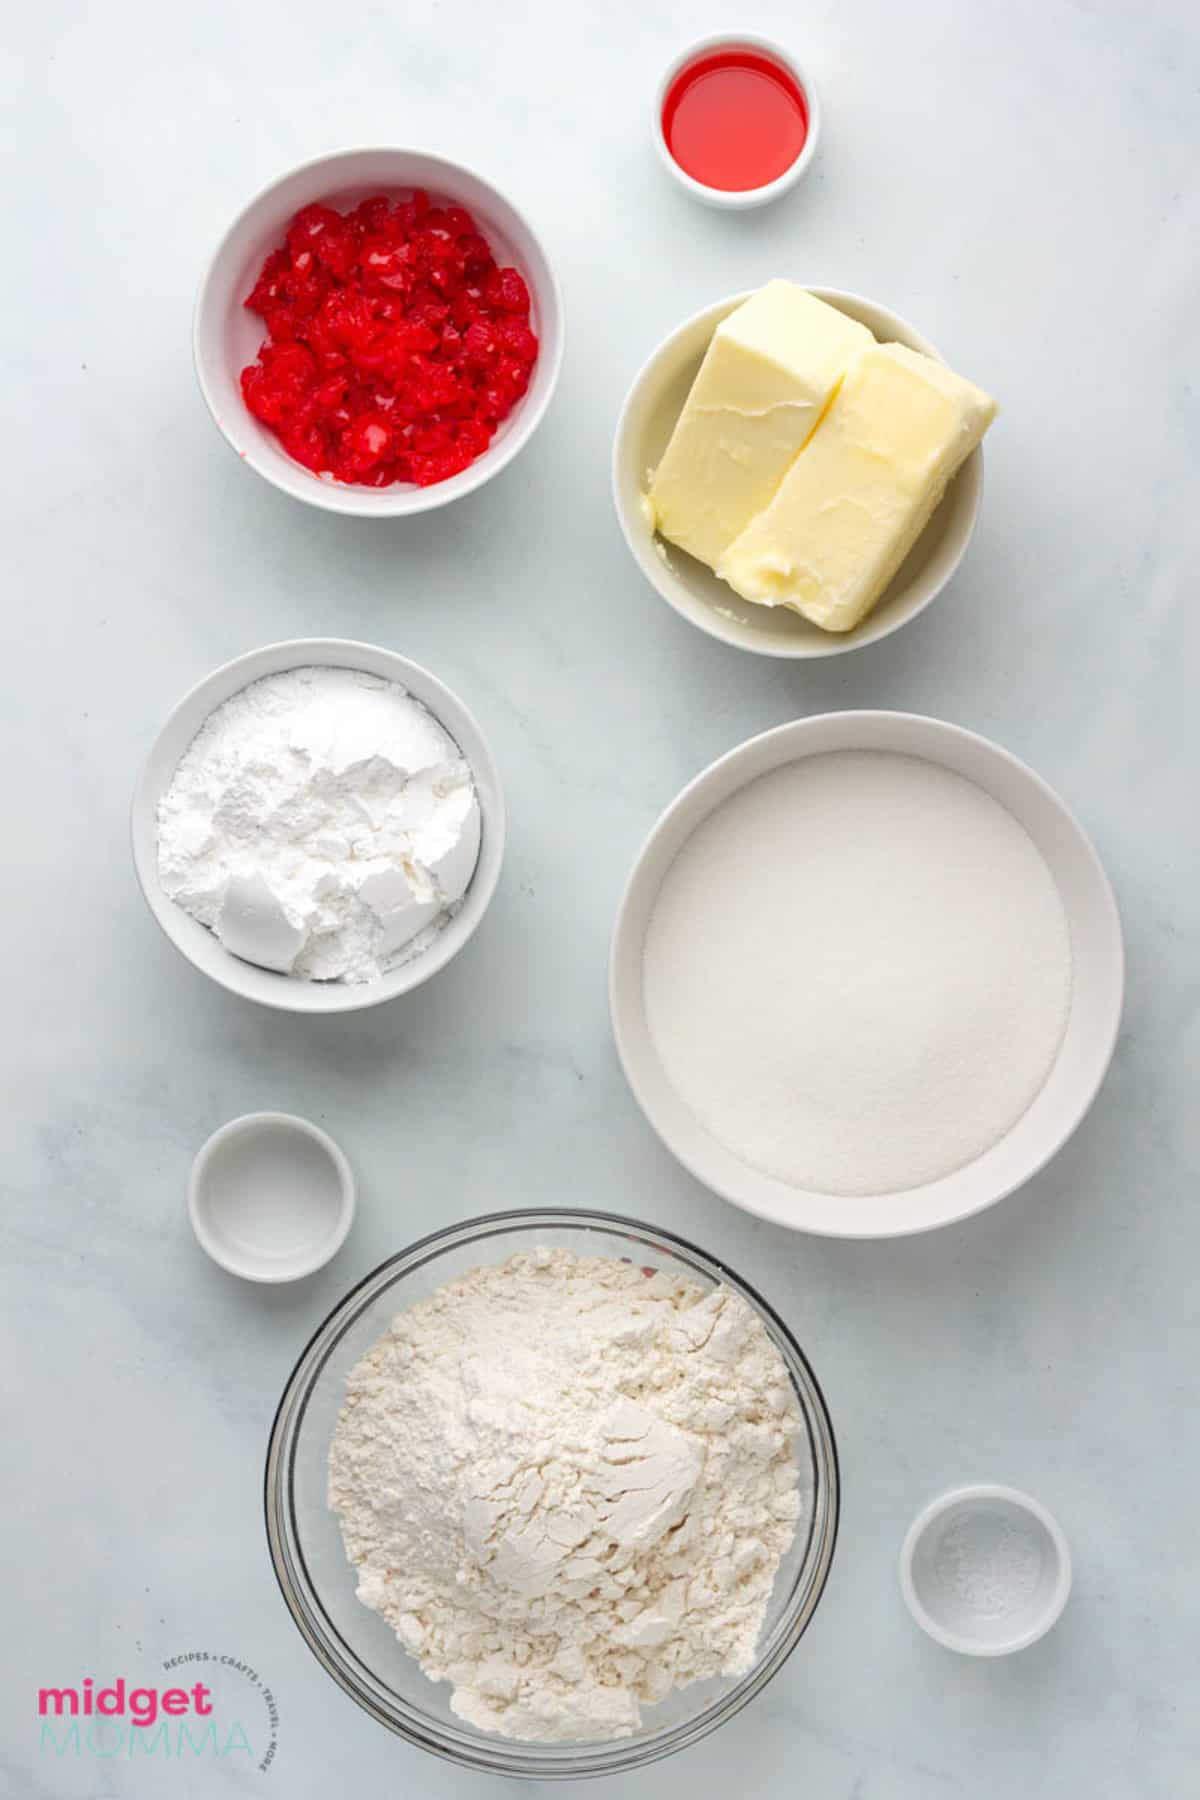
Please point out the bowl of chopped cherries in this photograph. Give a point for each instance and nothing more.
(379, 332)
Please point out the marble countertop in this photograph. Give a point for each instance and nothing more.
(1021, 184)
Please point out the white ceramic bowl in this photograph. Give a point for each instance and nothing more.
(985, 1570)
(271, 1197)
(1093, 1020)
(205, 950)
(226, 337)
(652, 406)
(741, 198)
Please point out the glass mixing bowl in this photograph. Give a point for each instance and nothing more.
(355, 1645)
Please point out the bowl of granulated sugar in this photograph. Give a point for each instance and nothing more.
(867, 974)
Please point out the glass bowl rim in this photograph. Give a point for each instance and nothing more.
(514, 1757)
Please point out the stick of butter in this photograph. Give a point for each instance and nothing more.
(765, 381)
(852, 506)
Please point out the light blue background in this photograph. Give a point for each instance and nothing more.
(1020, 181)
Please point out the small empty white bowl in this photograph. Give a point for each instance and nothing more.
(202, 947)
(985, 1570)
(226, 337)
(271, 1197)
(738, 199)
(652, 406)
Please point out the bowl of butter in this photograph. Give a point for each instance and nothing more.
(797, 471)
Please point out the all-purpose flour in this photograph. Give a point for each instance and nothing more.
(321, 823)
(567, 1486)
(857, 972)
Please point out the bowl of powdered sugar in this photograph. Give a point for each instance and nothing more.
(866, 977)
(552, 1494)
(319, 826)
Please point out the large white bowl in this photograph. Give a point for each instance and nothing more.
(201, 947)
(226, 337)
(1097, 980)
(652, 406)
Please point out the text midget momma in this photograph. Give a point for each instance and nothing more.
(108, 1720)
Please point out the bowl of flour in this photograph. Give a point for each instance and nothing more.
(552, 1494)
(866, 976)
(319, 826)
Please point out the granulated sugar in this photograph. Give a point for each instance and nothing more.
(857, 972)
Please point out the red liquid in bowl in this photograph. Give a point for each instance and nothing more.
(734, 120)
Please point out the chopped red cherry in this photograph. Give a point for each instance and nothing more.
(395, 345)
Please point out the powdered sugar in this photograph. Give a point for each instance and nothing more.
(567, 1485)
(322, 823)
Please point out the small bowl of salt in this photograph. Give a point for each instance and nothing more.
(985, 1570)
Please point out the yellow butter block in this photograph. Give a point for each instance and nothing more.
(855, 501)
(766, 379)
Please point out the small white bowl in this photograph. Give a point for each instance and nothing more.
(201, 947)
(226, 337)
(739, 199)
(985, 1570)
(652, 406)
(271, 1197)
(1092, 1023)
